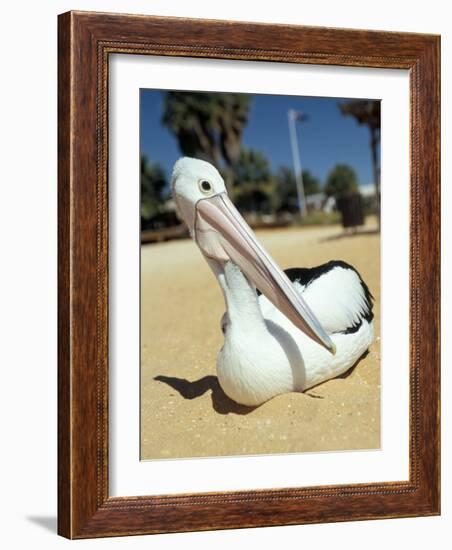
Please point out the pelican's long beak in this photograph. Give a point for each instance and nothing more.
(223, 235)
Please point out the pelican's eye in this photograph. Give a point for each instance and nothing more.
(205, 186)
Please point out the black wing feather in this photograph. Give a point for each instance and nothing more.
(305, 276)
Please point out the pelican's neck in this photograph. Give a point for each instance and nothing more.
(241, 300)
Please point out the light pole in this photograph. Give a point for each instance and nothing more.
(293, 116)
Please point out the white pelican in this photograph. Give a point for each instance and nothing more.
(301, 327)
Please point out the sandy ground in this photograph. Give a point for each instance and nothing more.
(184, 412)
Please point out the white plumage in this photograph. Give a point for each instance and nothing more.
(265, 355)
(337, 298)
(293, 336)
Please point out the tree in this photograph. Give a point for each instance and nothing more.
(311, 184)
(208, 126)
(368, 112)
(340, 181)
(287, 188)
(252, 167)
(254, 187)
(154, 187)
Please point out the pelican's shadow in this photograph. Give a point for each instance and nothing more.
(221, 403)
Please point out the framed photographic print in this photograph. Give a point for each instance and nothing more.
(248, 275)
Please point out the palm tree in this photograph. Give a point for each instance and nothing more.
(367, 112)
(208, 126)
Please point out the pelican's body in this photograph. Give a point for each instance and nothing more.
(264, 354)
(307, 326)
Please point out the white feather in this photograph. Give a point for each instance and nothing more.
(337, 299)
(261, 360)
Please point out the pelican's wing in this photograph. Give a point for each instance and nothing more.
(337, 295)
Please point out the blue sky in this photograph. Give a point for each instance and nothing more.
(326, 138)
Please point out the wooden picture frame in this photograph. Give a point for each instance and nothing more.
(85, 42)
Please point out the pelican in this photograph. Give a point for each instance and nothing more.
(283, 331)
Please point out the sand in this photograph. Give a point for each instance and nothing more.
(184, 412)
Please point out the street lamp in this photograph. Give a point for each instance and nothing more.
(293, 117)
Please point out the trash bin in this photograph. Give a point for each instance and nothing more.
(351, 208)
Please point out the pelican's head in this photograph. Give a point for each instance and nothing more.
(192, 181)
(223, 235)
